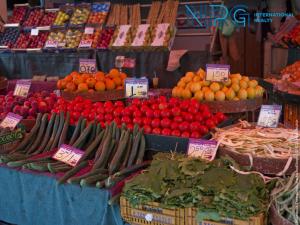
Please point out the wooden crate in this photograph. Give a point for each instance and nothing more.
(291, 115)
(190, 219)
(151, 214)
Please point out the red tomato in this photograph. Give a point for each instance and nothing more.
(154, 106)
(165, 123)
(98, 104)
(119, 104)
(147, 121)
(184, 126)
(162, 98)
(178, 119)
(220, 116)
(108, 104)
(185, 134)
(173, 101)
(165, 113)
(100, 110)
(147, 129)
(156, 131)
(75, 115)
(156, 113)
(203, 130)
(195, 104)
(137, 120)
(108, 117)
(210, 124)
(194, 126)
(193, 110)
(137, 113)
(126, 112)
(126, 119)
(109, 109)
(155, 123)
(163, 105)
(188, 117)
(129, 126)
(206, 114)
(91, 116)
(144, 108)
(176, 111)
(149, 113)
(184, 105)
(100, 117)
(117, 120)
(136, 101)
(195, 134)
(174, 125)
(166, 132)
(176, 133)
(78, 107)
(198, 117)
(118, 112)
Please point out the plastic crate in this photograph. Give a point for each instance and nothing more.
(151, 214)
(291, 115)
(190, 219)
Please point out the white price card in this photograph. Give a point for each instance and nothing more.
(217, 72)
(34, 32)
(161, 30)
(140, 35)
(51, 44)
(269, 116)
(87, 66)
(22, 88)
(205, 149)
(89, 30)
(136, 87)
(68, 154)
(11, 121)
(85, 44)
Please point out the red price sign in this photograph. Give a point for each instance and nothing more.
(85, 44)
(51, 44)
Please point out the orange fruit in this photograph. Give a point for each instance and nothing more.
(114, 73)
(71, 87)
(82, 87)
(78, 80)
(85, 76)
(100, 86)
(110, 85)
(61, 84)
(91, 82)
(69, 78)
(100, 76)
(74, 73)
(117, 80)
(123, 76)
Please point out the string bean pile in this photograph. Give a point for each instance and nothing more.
(258, 141)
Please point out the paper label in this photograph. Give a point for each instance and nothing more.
(129, 63)
(161, 30)
(122, 34)
(11, 137)
(22, 88)
(119, 61)
(85, 44)
(205, 149)
(87, 65)
(136, 88)
(269, 116)
(11, 121)
(51, 44)
(34, 32)
(89, 30)
(174, 58)
(139, 38)
(217, 72)
(68, 154)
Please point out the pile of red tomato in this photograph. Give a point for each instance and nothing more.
(161, 116)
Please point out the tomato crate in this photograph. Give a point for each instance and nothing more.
(190, 219)
(151, 214)
(291, 115)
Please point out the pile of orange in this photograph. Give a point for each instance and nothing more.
(83, 82)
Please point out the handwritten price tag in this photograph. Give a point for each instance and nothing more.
(51, 44)
(136, 87)
(205, 149)
(22, 88)
(89, 30)
(85, 44)
(269, 116)
(11, 121)
(217, 72)
(87, 65)
(69, 155)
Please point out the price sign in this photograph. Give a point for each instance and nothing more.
(87, 65)
(34, 32)
(205, 149)
(136, 87)
(217, 72)
(68, 154)
(22, 88)
(11, 137)
(11, 121)
(129, 63)
(51, 44)
(85, 44)
(269, 115)
(89, 30)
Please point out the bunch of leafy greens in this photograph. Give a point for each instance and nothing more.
(176, 181)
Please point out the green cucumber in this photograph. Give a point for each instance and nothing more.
(132, 169)
(63, 136)
(76, 180)
(25, 161)
(76, 131)
(141, 151)
(134, 150)
(59, 130)
(103, 158)
(128, 150)
(39, 166)
(88, 152)
(54, 131)
(92, 179)
(72, 172)
(82, 138)
(83, 126)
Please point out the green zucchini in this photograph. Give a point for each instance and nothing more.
(76, 132)
(83, 126)
(38, 166)
(72, 172)
(38, 139)
(134, 150)
(88, 152)
(141, 151)
(100, 184)
(54, 131)
(92, 135)
(28, 137)
(59, 130)
(57, 169)
(103, 158)
(64, 132)
(128, 150)
(83, 136)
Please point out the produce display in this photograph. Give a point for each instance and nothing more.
(285, 197)
(48, 18)
(176, 181)
(293, 37)
(72, 38)
(62, 17)
(22, 41)
(18, 14)
(9, 36)
(244, 138)
(76, 82)
(39, 40)
(34, 18)
(105, 38)
(293, 72)
(28, 108)
(110, 154)
(90, 40)
(80, 15)
(57, 36)
(99, 13)
(238, 87)
(157, 116)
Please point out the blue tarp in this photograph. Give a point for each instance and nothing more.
(34, 199)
